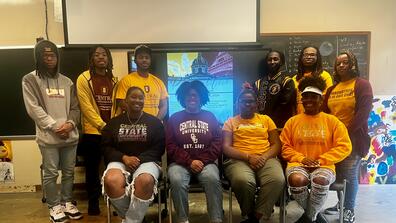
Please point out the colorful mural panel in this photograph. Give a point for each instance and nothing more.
(378, 167)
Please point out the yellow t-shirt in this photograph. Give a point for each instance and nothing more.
(154, 90)
(329, 82)
(250, 135)
(321, 137)
(342, 101)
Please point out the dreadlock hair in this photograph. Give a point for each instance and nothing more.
(109, 67)
(129, 91)
(317, 70)
(41, 68)
(353, 66)
(312, 81)
(186, 86)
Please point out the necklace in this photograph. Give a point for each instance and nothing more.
(141, 113)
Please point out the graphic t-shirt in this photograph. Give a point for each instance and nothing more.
(154, 90)
(342, 101)
(193, 136)
(103, 89)
(143, 138)
(250, 135)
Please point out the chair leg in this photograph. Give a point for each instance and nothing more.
(230, 205)
(342, 202)
(108, 210)
(282, 206)
(170, 206)
(159, 205)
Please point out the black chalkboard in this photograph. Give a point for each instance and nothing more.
(330, 45)
(14, 64)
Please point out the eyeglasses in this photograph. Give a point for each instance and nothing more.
(309, 55)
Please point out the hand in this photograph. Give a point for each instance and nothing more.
(309, 162)
(196, 166)
(64, 129)
(256, 161)
(246, 85)
(131, 162)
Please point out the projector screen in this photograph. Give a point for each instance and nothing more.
(160, 21)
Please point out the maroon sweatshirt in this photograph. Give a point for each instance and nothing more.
(193, 137)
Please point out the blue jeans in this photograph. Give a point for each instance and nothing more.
(56, 158)
(349, 169)
(209, 179)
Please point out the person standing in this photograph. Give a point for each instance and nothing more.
(156, 96)
(193, 142)
(310, 64)
(50, 100)
(276, 94)
(94, 91)
(351, 101)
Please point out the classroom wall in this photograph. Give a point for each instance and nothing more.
(24, 22)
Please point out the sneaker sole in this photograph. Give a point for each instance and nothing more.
(331, 212)
(64, 221)
(74, 217)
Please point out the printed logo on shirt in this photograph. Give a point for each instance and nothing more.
(146, 88)
(249, 126)
(55, 92)
(342, 93)
(194, 128)
(274, 89)
(311, 134)
(132, 133)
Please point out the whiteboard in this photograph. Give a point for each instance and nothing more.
(160, 21)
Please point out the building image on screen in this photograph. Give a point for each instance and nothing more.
(214, 69)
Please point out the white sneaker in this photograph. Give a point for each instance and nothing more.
(71, 211)
(57, 215)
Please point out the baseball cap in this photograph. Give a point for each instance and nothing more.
(313, 90)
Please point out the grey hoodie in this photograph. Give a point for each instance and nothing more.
(50, 102)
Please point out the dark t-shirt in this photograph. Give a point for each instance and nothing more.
(103, 89)
(143, 138)
(193, 137)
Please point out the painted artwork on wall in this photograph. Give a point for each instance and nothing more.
(379, 167)
(6, 165)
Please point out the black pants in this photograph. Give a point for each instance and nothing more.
(90, 149)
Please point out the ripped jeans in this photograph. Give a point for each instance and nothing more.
(311, 201)
(128, 206)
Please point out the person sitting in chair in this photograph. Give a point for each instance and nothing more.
(193, 142)
(251, 141)
(133, 144)
(312, 143)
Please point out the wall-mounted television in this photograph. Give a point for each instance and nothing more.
(221, 70)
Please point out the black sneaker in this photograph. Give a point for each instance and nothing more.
(333, 210)
(304, 219)
(349, 216)
(57, 215)
(71, 211)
